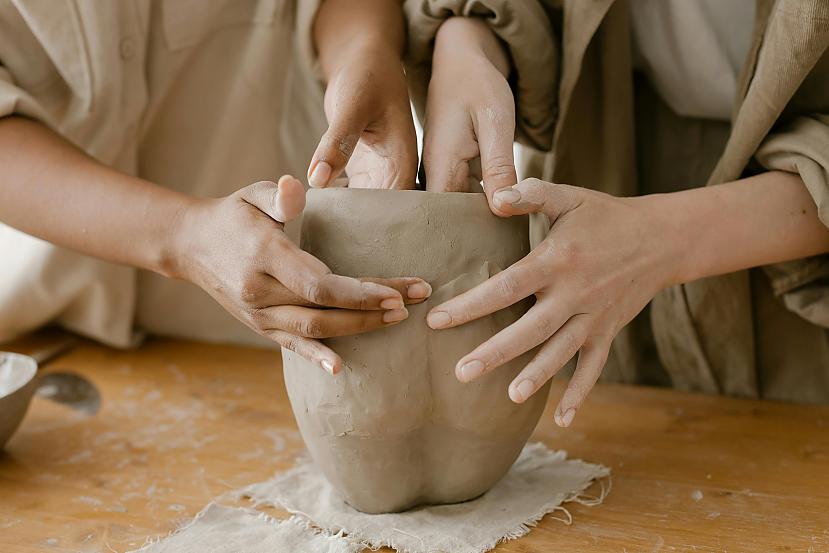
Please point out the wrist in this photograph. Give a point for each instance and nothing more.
(175, 246)
(666, 233)
(465, 37)
(359, 55)
(694, 231)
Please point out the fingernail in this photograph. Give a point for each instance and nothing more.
(565, 419)
(392, 303)
(522, 391)
(320, 175)
(418, 290)
(395, 315)
(328, 366)
(470, 370)
(507, 196)
(438, 319)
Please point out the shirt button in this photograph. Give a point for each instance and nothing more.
(127, 48)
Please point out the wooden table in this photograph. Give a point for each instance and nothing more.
(182, 423)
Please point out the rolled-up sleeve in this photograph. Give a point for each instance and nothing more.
(802, 147)
(16, 101)
(525, 27)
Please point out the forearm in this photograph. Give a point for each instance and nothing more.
(765, 219)
(343, 27)
(53, 191)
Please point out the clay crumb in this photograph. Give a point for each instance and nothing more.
(91, 501)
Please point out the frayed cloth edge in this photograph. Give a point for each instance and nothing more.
(520, 530)
(300, 519)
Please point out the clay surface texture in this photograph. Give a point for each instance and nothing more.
(395, 429)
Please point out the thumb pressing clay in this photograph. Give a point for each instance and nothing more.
(395, 429)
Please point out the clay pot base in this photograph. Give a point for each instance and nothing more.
(395, 429)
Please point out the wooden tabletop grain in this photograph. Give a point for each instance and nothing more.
(182, 423)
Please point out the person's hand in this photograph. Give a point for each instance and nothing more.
(235, 249)
(470, 112)
(603, 260)
(371, 133)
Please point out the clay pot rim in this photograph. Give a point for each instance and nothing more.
(342, 189)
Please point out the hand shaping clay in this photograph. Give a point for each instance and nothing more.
(395, 429)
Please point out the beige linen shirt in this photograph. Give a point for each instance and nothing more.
(203, 96)
(758, 333)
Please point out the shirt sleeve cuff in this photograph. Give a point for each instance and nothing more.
(802, 147)
(16, 101)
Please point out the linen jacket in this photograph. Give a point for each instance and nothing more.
(757, 333)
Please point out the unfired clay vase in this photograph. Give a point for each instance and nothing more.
(395, 429)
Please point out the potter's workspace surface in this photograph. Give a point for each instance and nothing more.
(181, 423)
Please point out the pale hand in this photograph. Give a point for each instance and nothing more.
(601, 263)
(470, 112)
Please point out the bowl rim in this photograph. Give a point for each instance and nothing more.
(24, 363)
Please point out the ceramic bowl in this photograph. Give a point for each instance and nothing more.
(17, 385)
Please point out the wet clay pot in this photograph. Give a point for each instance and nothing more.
(395, 429)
